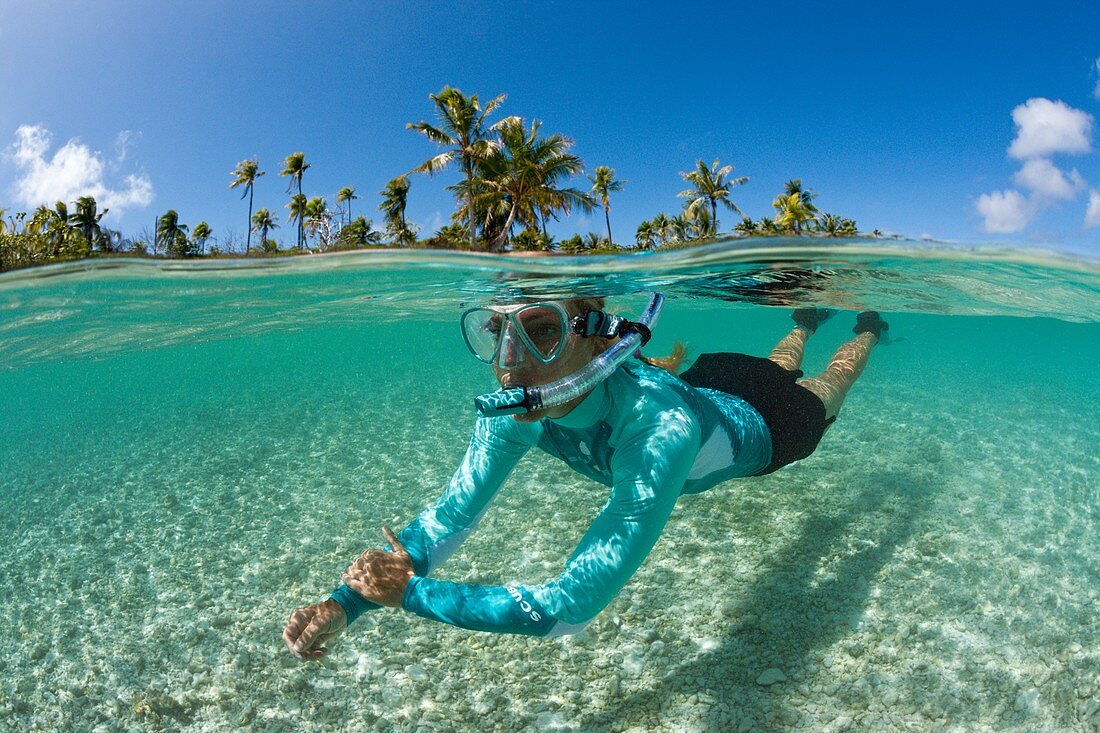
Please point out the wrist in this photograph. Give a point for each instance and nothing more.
(353, 604)
(335, 608)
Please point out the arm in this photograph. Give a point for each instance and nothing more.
(496, 446)
(649, 469)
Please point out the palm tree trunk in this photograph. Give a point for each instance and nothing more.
(502, 238)
(301, 218)
(713, 216)
(607, 218)
(470, 202)
(248, 240)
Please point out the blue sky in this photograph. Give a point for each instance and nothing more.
(899, 115)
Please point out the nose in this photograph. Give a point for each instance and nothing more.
(511, 351)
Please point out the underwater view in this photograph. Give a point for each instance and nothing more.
(189, 451)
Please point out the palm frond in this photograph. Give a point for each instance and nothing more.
(432, 133)
(437, 163)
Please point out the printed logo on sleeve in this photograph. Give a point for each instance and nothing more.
(523, 605)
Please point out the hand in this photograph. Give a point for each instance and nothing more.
(311, 627)
(381, 576)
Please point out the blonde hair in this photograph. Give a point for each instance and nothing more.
(670, 363)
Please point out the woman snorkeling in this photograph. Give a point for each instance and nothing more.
(571, 387)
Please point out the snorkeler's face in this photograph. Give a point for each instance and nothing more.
(514, 367)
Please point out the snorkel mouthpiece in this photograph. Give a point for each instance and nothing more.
(504, 402)
(633, 334)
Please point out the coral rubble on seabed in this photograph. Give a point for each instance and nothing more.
(914, 574)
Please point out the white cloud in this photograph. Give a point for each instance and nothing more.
(1092, 214)
(1005, 212)
(1046, 180)
(1096, 91)
(1044, 127)
(122, 146)
(74, 170)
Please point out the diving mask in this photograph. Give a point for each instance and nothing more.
(508, 334)
(494, 334)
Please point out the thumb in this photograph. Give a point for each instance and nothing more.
(394, 542)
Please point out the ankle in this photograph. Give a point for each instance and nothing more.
(868, 338)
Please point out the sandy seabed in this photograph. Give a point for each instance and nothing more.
(934, 566)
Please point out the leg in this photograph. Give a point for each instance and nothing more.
(788, 352)
(844, 368)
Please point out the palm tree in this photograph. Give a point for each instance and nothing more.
(767, 226)
(804, 194)
(663, 228)
(173, 234)
(318, 219)
(462, 128)
(200, 234)
(395, 196)
(829, 224)
(357, 234)
(54, 223)
(521, 179)
(346, 195)
(746, 228)
(603, 183)
(709, 186)
(263, 222)
(295, 166)
(297, 208)
(245, 174)
(791, 212)
(86, 220)
(682, 228)
(646, 236)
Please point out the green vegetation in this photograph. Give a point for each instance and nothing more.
(603, 183)
(709, 186)
(295, 166)
(245, 174)
(395, 196)
(515, 180)
(462, 128)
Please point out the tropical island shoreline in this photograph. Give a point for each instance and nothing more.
(514, 178)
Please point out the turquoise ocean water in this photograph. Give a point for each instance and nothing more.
(190, 451)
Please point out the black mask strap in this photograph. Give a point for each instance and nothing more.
(607, 325)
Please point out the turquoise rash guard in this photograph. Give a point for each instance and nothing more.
(643, 432)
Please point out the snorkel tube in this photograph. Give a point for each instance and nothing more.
(528, 399)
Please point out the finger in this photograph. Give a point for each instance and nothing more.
(309, 635)
(364, 589)
(359, 572)
(394, 542)
(294, 626)
(319, 649)
(355, 582)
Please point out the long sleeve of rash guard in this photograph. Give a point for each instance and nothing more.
(495, 449)
(649, 468)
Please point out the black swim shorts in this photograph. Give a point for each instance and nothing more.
(795, 416)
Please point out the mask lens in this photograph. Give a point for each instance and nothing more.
(543, 330)
(481, 328)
